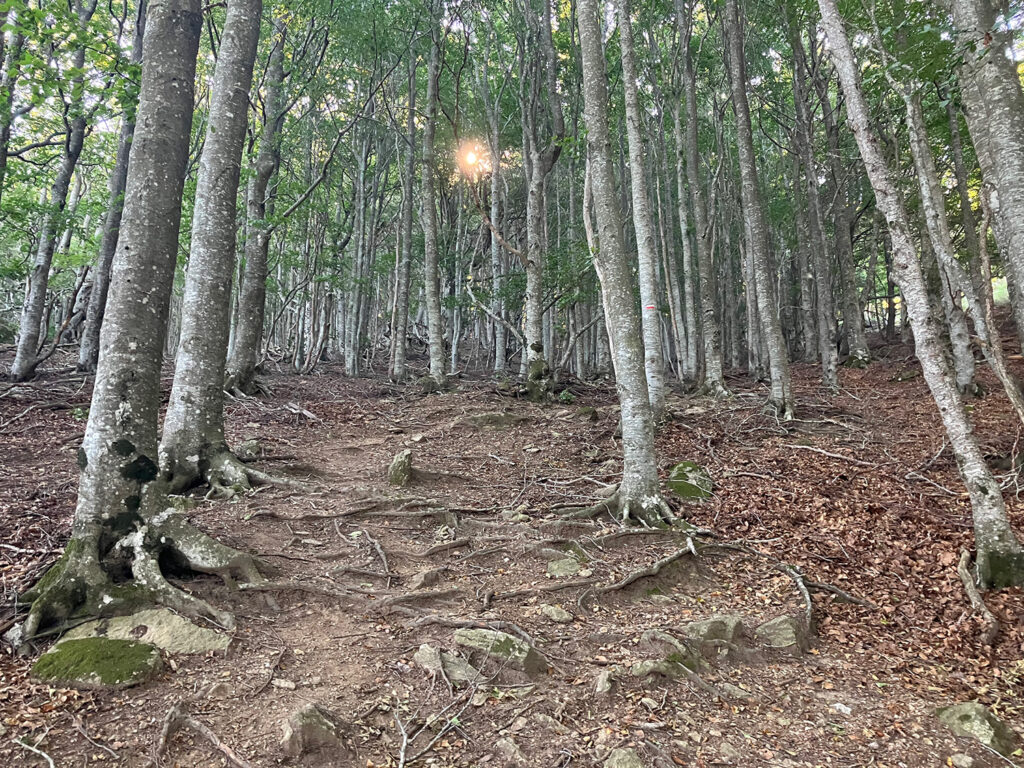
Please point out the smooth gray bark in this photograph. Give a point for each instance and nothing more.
(193, 447)
(120, 524)
(643, 221)
(757, 228)
(244, 356)
(638, 499)
(89, 346)
(26, 357)
(400, 316)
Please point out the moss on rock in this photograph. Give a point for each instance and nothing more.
(98, 662)
(690, 481)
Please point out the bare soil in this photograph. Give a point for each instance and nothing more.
(883, 518)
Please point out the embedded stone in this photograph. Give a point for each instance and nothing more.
(605, 682)
(567, 566)
(503, 648)
(98, 662)
(157, 626)
(556, 613)
(309, 729)
(727, 628)
(400, 471)
(974, 720)
(690, 481)
(623, 758)
(510, 751)
(455, 668)
(494, 420)
(675, 650)
(785, 633)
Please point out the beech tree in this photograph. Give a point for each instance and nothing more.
(124, 521)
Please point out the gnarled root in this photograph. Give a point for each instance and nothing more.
(650, 511)
(79, 584)
(229, 476)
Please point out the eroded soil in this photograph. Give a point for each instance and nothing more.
(883, 518)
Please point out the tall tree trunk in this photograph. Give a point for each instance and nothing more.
(120, 525)
(638, 499)
(400, 322)
(428, 211)
(643, 222)
(711, 332)
(193, 447)
(757, 228)
(252, 290)
(9, 84)
(991, 90)
(828, 352)
(1000, 557)
(26, 357)
(89, 348)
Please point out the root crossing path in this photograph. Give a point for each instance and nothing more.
(465, 620)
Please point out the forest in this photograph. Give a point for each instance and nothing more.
(610, 383)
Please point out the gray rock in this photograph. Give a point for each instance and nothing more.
(550, 723)
(785, 633)
(425, 579)
(960, 760)
(504, 648)
(455, 668)
(672, 648)
(974, 720)
(560, 569)
(309, 729)
(726, 627)
(623, 758)
(729, 752)
(556, 613)
(400, 471)
(663, 667)
(605, 682)
(98, 662)
(510, 751)
(690, 481)
(157, 626)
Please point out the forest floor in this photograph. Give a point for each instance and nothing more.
(860, 493)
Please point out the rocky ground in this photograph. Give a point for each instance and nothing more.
(462, 620)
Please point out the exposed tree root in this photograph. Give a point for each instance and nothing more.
(389, 603)
(500, 626)
(649, 512)
(228, 476)
(652, 570)
(556, 587)
(177, 719)
(991, 623)
(437, 548)
(82, 583)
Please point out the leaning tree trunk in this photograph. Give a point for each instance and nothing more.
(638, 499)
(89, 347)
(252, 292)
(121, 525)
(428, 214)
(757, 228)
(26, 357)
(1000, 556)
(643, 222)
(193, 446)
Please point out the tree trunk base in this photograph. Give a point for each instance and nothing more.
(132, 575)
(648, 512)
(998, 570)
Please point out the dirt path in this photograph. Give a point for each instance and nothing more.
(470, 541)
